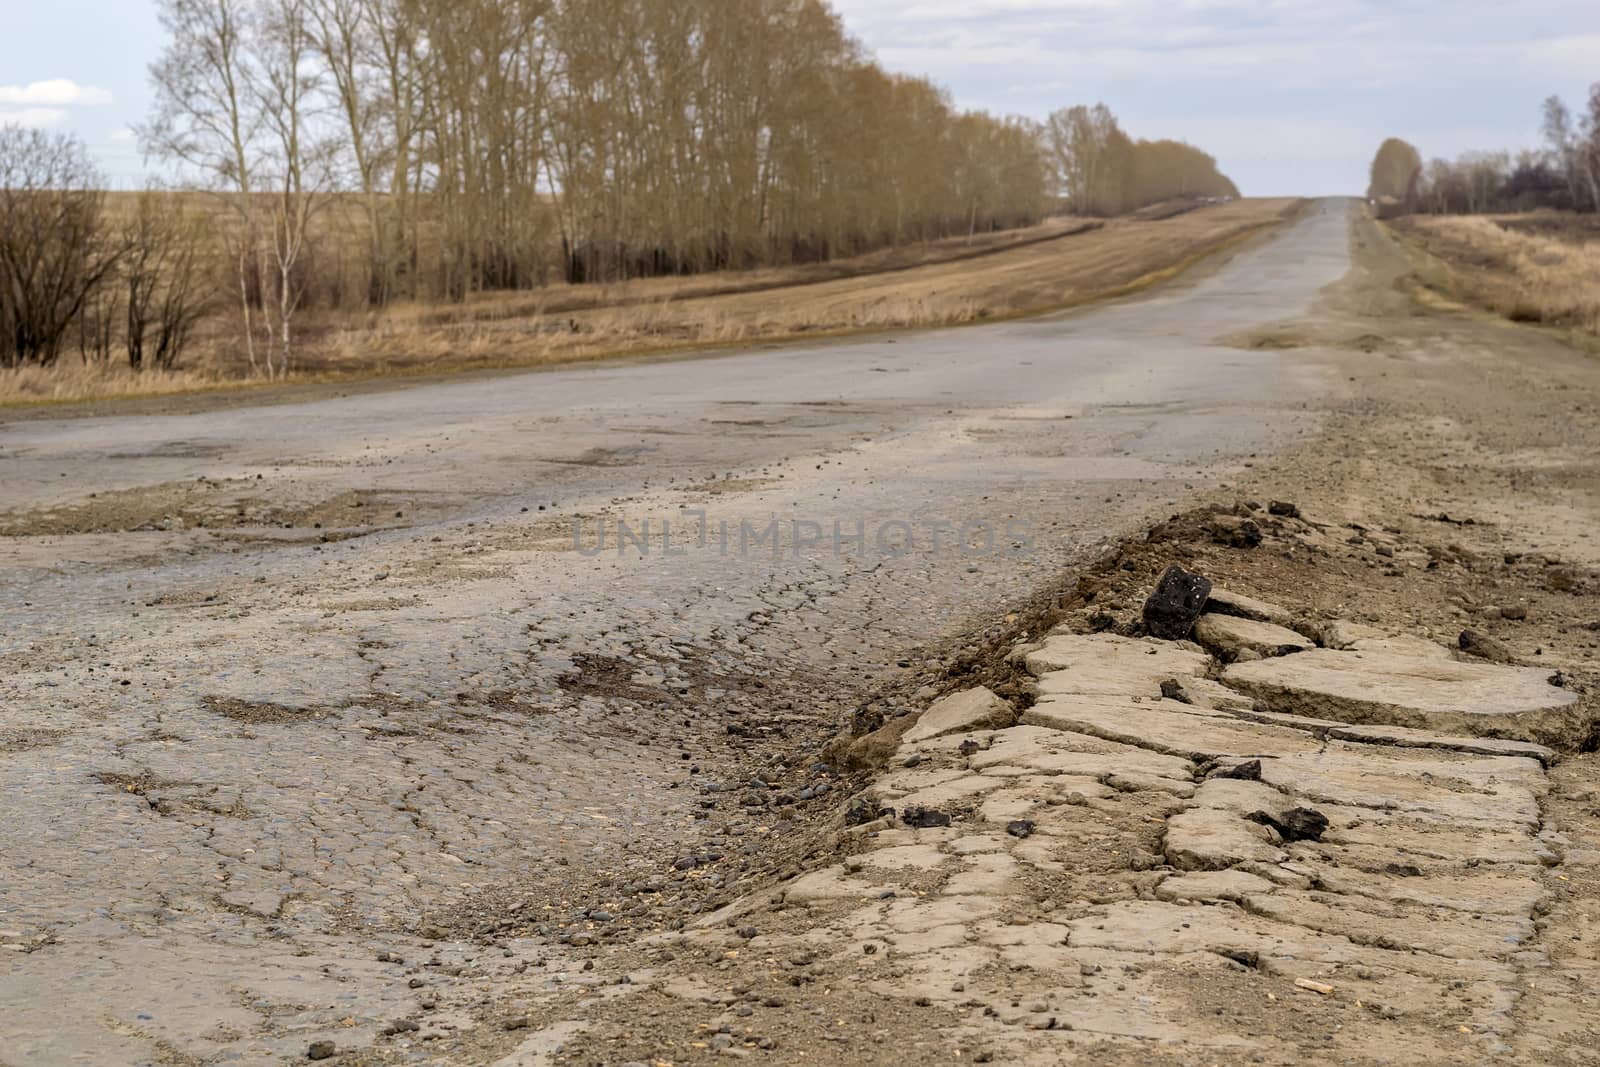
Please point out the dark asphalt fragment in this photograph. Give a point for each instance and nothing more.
(924, 818)
(1242, 772)
(862, 811)
(1172, 609)
(1296, 824)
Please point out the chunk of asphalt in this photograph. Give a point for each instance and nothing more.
(1227, 602)
(1381, 687)
(971, 709)
(1249, 771)
(1176, 603)
(1296, 824)
(924, 818)
(863, 810)
(1229, 637)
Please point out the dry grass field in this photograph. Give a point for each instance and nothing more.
(1542, 268)
(1059, 264)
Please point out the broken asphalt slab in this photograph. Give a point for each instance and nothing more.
(1430, 693)
(1384, 867)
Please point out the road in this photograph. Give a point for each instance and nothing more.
(283, 685)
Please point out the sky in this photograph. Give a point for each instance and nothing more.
(1291, 96)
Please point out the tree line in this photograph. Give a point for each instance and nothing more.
(354, 153)
(1563, 174)
(1100, 170)
(502, 144)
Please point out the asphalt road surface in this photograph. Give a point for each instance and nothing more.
(283, 685)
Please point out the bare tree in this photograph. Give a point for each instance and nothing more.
(54, 248)
(204, 117)
(1090, 152)
(165, 291)
(1561, 144)
(355, 53)
(297, 165)
(1587, 154)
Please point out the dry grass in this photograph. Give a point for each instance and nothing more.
(1542, 268)
(1061, 264)
(72, 380)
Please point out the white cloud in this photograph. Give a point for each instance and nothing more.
(54, 93)
(32, 116)
(123, 135)
(46, 103)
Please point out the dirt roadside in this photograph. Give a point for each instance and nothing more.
(1456, 488)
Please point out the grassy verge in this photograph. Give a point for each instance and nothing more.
(1541, 270)
(1062, 265)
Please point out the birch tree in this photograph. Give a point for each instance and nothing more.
(297, 163)
(204, 118)
(348, 47)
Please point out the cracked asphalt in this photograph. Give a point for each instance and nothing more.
(282, 686)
